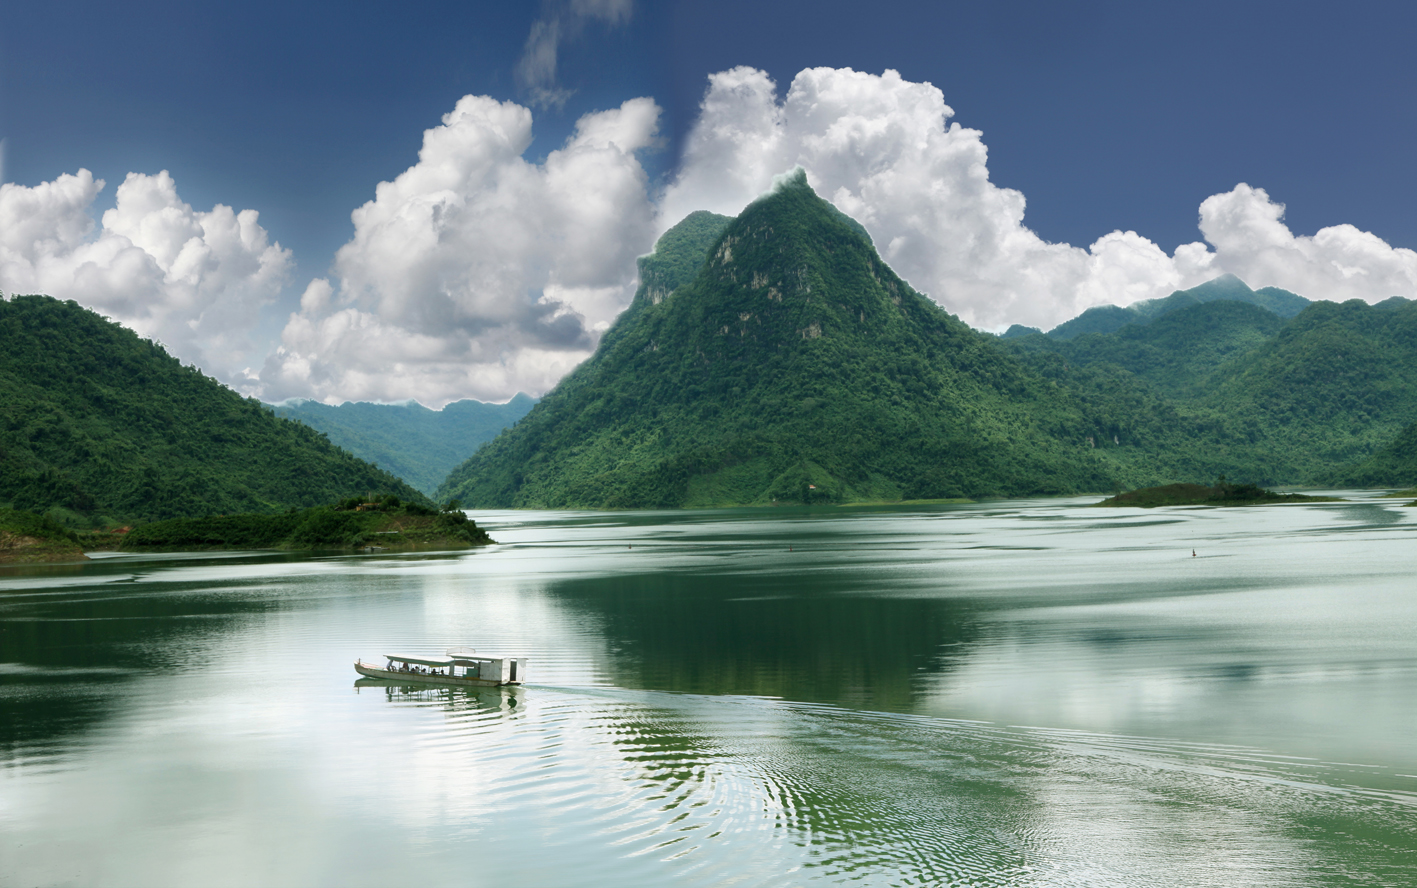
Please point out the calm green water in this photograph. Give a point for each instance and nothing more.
(1024, 693)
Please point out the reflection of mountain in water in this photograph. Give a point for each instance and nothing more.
(780, 636)
(62, 657)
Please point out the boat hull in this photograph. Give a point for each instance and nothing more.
(449, 681)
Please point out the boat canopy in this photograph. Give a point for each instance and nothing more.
(440, 662)
(421, 661)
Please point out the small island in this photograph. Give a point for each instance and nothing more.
(27, 538)
(1222, 494)
(354, 523)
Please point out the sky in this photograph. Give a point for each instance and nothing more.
(443, 200)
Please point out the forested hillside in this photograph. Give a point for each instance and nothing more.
(419, 445)
(769, 358)
(1177, 353)
(1277, 401)
(1393, 466)
(794, 366)
(98, 423)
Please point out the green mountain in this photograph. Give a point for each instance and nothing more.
(775, 358)
(419, 445)
(1272, 400)
(1177, 353)
(1227, 288)
(1336, 384)
(97, 423)
(792, 366)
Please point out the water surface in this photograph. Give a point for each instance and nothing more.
(1019, 693)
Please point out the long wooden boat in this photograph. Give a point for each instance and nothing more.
(461, 668)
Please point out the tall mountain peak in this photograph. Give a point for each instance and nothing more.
(793, 365)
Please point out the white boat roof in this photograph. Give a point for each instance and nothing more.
(421, 661)
(442, 661)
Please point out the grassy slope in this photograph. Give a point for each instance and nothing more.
(26, 537)
(96, 422)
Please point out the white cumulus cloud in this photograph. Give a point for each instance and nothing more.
(478, 273)
(194, 280)
(883, 150)
(1337, 263)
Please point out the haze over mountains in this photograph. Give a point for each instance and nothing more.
(419, 445)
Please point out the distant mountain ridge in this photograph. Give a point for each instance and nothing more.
(97, 423)
(417, 444)
(1227, 287)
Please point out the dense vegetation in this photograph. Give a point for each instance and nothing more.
(1276, 401)
(768, 358)
(353, 523)
(795, 366)
(419, 445)
(1393, 466)
(1221, 494)
(27, 537)
(97, 424)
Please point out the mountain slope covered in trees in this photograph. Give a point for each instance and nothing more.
(417, 444)
(794, 366)
(1271, 400)
(98, 423)
(1394, 465)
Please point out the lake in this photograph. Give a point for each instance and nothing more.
(1017, 693)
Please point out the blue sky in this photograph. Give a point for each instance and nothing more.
(1103, 116)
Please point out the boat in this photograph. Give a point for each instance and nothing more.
(461, 668)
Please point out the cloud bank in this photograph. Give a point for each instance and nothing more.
(478, 273)
(195, 281)
(883, 150)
